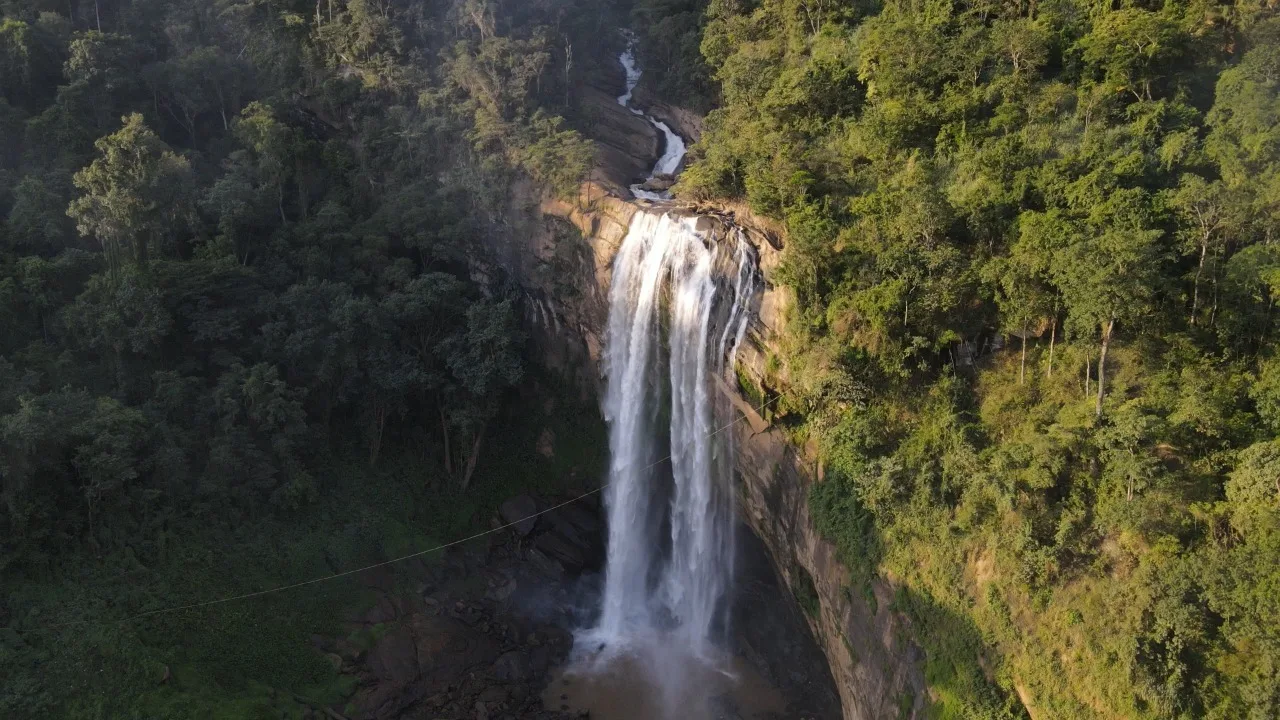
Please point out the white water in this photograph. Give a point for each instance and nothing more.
(675, 323)
(679, 305)
(673, 145)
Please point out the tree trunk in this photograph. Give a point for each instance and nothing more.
(1053, 337)
(1022, 369)
(1102, 364)
(448, 456)
(141, 256)
(1195, 286)
(471, 459)
(375, 441)
(1213, 311)
(1088, 362)
(222, 105)
(97, 15)
(1266, 324)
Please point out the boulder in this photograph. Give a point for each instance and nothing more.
(517, 512)
(512, 666)
(545, 566)
(494, 694)
(574, 537)
(658, 183)
(546, 446)
(394, 658)
(570, 552)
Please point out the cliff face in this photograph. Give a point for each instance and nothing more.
(875, 666)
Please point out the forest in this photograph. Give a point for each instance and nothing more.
(1032, 247)
(239, 313)
(1035, 256)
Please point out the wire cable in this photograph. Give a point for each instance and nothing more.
(384, 563)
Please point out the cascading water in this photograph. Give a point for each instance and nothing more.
(681, 296)
(673, 148)
(679, 305)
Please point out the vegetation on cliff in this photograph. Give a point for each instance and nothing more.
(237, 301)
(1033, 248)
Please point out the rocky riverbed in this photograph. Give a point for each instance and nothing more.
(486, 633)
(481, 633)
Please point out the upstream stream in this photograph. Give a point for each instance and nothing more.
(681, 295)
(673, 147)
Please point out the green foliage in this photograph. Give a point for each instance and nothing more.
(669, 49)
(236, 251)
(133, 194)
(807, 594)
(232, 658)
(1033, 254)
(560, 158)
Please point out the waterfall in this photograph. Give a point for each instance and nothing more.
(680, 300)
(678, 309)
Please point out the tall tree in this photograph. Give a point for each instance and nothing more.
(135, 194)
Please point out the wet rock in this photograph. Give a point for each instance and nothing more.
(512, 666)
(658, 183)
(629, 145)
(540, 660)
(724, 708)
(502, 592)
(583, 518)
(517, 512)
(494, 695)
(546, 446)
(394, 657)
(386, 610)
(574, 536)
(568, 551)
(545, 566)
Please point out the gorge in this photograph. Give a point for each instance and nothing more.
(667, 307)
(943, 381)
(680, 300)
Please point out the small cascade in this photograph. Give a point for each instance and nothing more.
(673, 148)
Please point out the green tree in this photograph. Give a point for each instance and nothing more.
(135, 194)
(1109, 273)
(1244, 139)
(1132, 50)
(273, 148)
(484, 361)
(559, 158)
(38, 217)
(259, 437)
(1203, 208)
